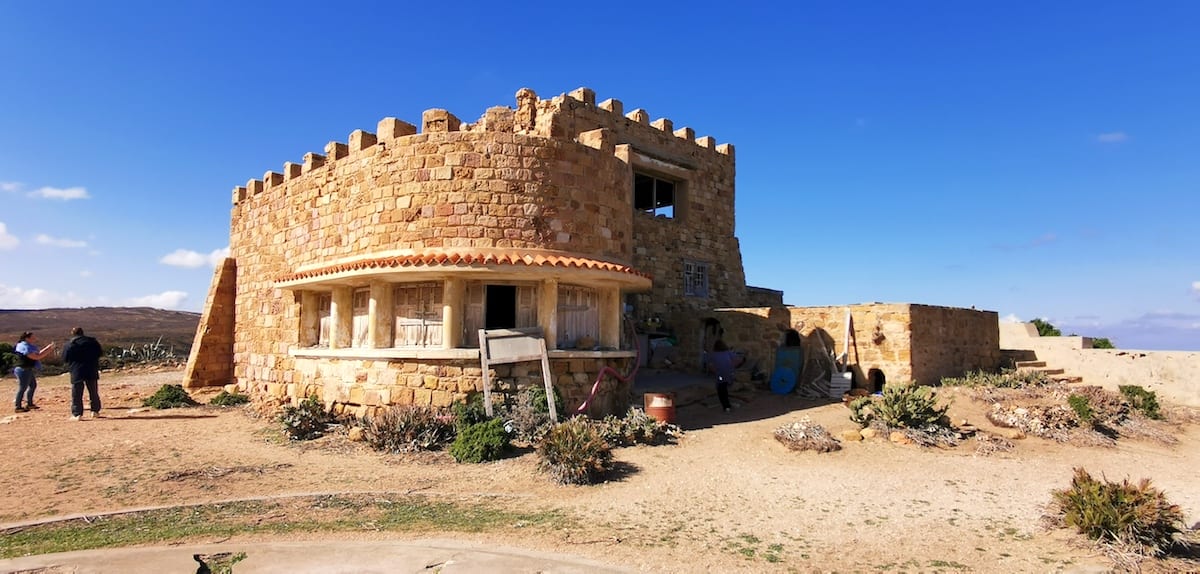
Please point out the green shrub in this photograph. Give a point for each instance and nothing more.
(1142, 400)
(224, 399)
(537, 399)
(901, 406)
(469, 412)
(305, 421)
(1083, 410)
(407, 429)
(574, 452)
(1137, 515)
(1102, 343)
(169, 397)
(480, 442)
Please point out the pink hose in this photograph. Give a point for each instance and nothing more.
(607, 370)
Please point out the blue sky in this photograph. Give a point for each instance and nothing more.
(1038, 159)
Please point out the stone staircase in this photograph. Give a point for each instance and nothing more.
(1027, 360)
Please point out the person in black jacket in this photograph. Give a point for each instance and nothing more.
(82, 356)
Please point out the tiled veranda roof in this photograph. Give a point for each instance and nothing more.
(467, 259)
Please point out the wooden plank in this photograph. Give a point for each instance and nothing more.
(504, 346)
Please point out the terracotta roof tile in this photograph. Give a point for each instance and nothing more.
(470, 259)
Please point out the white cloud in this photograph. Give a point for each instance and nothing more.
(7, 241)
(1112, 137)
(64, 194)
(189, 258)
(1195, 284)
(1011, 318)
(164, 300)
(85, 273)
(59, 241)
(9, 186)
(19, 298)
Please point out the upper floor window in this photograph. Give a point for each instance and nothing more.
(653, 195)
(695, 279)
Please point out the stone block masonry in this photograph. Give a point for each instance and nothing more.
(538, 198)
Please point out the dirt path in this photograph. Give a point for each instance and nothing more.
(727, 497)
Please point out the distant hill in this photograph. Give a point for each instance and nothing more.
(113, 326)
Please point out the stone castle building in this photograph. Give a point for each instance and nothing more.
(365, 274)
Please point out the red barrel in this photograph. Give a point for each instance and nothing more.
(660, 406)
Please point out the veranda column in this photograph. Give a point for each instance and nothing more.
(610, 317)
(381, 316)
(341, 315)
(454, 294)
(548, 312)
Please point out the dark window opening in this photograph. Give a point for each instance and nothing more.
(500, 308)
(877, 380)
(654, 196)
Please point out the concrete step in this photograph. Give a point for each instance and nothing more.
(1018, 354)
(1030, 364)
(1069, 379)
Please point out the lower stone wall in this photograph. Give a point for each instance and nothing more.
(362, 387)
(950, 342)
(889, 342)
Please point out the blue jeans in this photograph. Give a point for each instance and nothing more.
(93, 390)
(26, 384)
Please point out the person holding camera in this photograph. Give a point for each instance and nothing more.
(29, 357)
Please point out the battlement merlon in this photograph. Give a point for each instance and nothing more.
(587, 97)
(524, 119)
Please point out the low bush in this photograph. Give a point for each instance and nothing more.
(469, 412)
(224, 399)
(807, 435)
(1143, 401)
(170, 397)
(1136, 515)
(1083, 410)
(408, 429)
(636, 427)
(1005, 379)
(574, 452)
(528, 416)
(305, 421)
(901, 406)
(480, 442)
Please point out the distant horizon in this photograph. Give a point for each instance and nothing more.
(999, 319)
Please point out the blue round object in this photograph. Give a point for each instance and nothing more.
(783, 381)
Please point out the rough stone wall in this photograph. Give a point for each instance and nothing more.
(464, 187)
(703, 227)
(427, 191)
(891, 354)
(950, 342)
(210, 362)
(904, 342)
(763, 297)
(361, 386)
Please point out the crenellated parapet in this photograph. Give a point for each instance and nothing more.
(532, 116)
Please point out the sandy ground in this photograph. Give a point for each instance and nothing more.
(727, 497)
